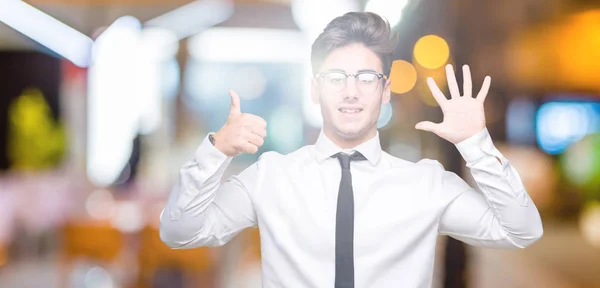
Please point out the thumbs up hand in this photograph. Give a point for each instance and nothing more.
(243, 132)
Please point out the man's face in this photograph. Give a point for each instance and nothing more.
(350, 108)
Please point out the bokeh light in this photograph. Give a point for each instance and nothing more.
(250, 83)
(421, 87)
(562, 54)
(403, 76)
(581, 165)
(589, 223)
(561, 123)
(98, 277)
(385, 115)
(128, 217)
(536, 169)
(100, 204)
(431, 51)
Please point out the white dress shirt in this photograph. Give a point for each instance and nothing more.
(400, 209)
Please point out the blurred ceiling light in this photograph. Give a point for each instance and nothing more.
(403, 76)
(194, 17)
(385, 115)
(113, 115)
(125, 91)
(431, 51)
(156, 47)
(46, 30)
(312, 16)
(158, 43)
(249, 45)
(389, 9)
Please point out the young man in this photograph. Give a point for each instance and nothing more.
(342, 212)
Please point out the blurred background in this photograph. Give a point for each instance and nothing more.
(102, 101)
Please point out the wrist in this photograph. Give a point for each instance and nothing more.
(217, 142)
(211, 138)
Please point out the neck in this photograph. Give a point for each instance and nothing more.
(346, 143)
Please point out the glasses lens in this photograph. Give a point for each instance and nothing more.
(367, 77)
(367, 82)
(335, 80)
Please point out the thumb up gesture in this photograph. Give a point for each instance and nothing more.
(243, 132)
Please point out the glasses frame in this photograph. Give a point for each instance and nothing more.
(355, 75)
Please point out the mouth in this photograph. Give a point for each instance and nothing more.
(350, 111)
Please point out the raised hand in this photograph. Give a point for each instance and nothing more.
(243, 132)
(463, 115)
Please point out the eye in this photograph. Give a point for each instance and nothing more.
(335, 77)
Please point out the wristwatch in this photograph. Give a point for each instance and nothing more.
(211, 138)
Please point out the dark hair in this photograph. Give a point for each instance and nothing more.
(356, 27)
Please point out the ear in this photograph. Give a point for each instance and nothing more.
(387, 91)
(314, 91)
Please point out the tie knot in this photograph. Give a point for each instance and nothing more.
(345, 158)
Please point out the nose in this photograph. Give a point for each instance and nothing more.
(351, 89)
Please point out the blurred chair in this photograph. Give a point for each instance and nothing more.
(245, 269)
(161, 266)
(3, 256)
(98, 241)
(93, 241)
(255, 244)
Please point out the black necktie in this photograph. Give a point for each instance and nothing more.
(344, 224)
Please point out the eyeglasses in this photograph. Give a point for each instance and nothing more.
(336, 81)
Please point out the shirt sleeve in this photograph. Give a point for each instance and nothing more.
(201, 209)
(502, 215)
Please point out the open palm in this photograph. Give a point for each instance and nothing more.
(463, 115)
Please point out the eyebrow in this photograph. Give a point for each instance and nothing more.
(367, 70)
(334, 70)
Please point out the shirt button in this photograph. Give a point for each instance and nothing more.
(175, 214)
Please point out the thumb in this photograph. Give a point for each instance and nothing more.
(427, 126)
(235, 103)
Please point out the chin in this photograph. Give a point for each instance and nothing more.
(351, 133)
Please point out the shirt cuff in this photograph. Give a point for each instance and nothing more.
(207, 155)
(476, 146)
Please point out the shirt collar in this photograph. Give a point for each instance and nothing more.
(325, 148)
